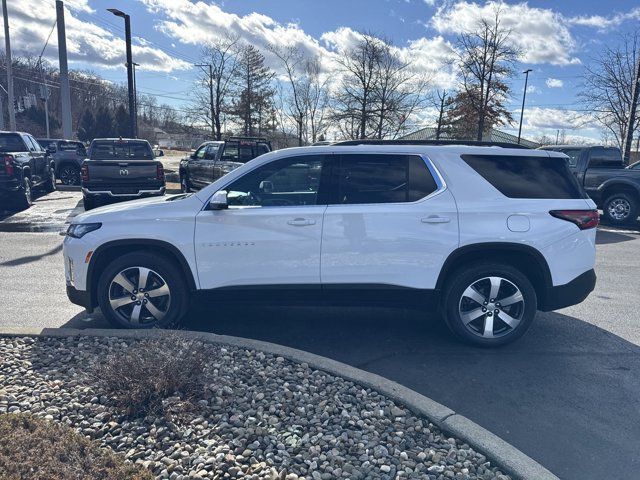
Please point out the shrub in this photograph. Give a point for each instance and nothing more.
(138, 378)
(37, 449)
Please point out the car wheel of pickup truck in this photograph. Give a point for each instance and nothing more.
(69, 175)
(489, 304)
(620, 208)
(25, 195)
(185, 187)
(50, 184)
(140, 290)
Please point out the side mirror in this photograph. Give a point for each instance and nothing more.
(161, 153)
(192, 156)
(219, 201)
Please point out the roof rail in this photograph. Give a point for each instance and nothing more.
(255, 139)
(430, 142)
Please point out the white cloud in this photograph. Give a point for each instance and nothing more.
(540, 33)
(604, 23)
(87, 43)
(554, 118)
(554, 83)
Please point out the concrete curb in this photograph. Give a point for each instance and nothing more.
(506, 456)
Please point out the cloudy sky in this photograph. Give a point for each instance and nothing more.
(557, 39)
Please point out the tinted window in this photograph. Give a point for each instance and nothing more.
(31, 143)
(12, 142)
(526, 177)
(121, 151)
(76, 147)
(573, 154)
(211, 152)
(286, 182)
(383, 179)
(601, 157)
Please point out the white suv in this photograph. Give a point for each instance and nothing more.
(485, 234)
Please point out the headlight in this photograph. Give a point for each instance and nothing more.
(79, 230)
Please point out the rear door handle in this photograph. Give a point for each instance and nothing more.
(435, 219)
(301, 222)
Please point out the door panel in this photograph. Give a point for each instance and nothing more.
(401, 243)
(271, 232)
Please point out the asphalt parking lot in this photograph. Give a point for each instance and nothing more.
(567, 394)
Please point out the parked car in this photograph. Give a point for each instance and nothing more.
(486, 235)
(213, 160)
(615, 189)
(25, 165)
(68, 156)
(120, 169)
(634, 166)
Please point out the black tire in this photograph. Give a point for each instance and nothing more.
(50, 184)
(457, 304)
(24, 198)
(620, 209)
(185, 185)
(89, 203)
(163, 272)
(69, 174)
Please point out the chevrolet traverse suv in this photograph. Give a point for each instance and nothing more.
(485, 235)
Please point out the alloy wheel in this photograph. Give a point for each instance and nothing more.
(491, 307)
(619, 209)
(69, 176)
(139, 296)
(28, 195)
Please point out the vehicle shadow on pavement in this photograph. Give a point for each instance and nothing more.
(31, 258)
(604, 237)
(566, 394)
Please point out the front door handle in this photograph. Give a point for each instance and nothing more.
(435, 219)
(301, 222)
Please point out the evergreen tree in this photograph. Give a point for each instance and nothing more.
(104, 123)
(87, 127)
(122, 123)
(255, 100)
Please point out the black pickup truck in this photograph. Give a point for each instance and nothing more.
(602, 173)
(214, 159)
(68, 156)
(118, 170)
(24, 165)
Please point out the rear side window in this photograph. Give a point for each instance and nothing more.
(12, 142)
(602, 157)
(527, 177)
(366, 179)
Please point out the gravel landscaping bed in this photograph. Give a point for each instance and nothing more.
(258, 417)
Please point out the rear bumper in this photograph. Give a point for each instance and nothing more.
(123, 192)
(9, 185)
(80, 297)
(572, 293)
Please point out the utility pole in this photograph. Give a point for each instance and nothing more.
(2, 107)
(211, 107)
(7, 43)
(442, 99)
(635, 97)
(133, 115)
(524, 96)
(65, 91)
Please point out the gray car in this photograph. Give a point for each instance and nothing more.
(68, 156)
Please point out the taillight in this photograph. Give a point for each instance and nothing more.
(84, 172)
(8, 165)
(584, 219)
(160, 173)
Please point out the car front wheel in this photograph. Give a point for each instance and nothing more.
(69, 175)
(50, 184)
(620, 209)
(139, 290)
(25, 195)
(489, 304)
(185, 187)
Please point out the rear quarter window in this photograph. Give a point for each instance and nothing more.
(527, 177)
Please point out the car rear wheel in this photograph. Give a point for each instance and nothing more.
(620, 209)
(489, 304)
(69, 175)
(139, 290)
(25, 195)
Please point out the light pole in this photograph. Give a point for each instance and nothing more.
(524, 96)
(133, 114)
(7, 41)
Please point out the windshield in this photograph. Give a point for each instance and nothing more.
(116, 150)
(11, 142)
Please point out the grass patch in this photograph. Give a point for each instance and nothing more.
(140, 377)
(37, 449)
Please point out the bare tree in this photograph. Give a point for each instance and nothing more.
(317, 99)
(213, 97)
(612, 89)
(486, 60)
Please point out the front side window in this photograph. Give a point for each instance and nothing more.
(366, 179)
(602, 157)
(283, 183)
(573, 154)
(211, 152)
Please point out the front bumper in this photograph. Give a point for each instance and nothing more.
(572, 293)
(80, 297)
